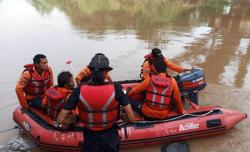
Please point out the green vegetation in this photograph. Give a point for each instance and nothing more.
(151, 11)
(213, 6)
(120, 14)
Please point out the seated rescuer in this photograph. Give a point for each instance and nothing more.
(147, 67)
(99, 104)
(160, 91)
(34, 81)
(56, 97)
(84, 76)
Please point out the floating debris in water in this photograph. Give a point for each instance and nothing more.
(180, 146)
(18, 145)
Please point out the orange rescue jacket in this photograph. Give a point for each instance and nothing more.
(23, 85)
(37, 85)
(56, 99)
(98, 108)
(147, 68)
(159, 93)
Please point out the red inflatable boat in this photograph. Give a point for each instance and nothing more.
(198, 121)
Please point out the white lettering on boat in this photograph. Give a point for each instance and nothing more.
(26, 126)
(188, 126)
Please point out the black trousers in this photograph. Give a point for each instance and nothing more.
(136, 106)
(35, 102)
(101, 141)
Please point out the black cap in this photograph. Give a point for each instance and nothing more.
(99, 61)
(156, 52)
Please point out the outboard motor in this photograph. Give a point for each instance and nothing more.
(190, 83)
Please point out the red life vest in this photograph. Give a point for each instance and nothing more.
(56, 101)
(148, 56)
(38, 84)
(159, 92)
(148, 59)
(98, 108)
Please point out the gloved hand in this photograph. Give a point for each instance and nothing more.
(56, 124)
(60, 126)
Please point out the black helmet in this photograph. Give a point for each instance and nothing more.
(156, 52)
(99, 61)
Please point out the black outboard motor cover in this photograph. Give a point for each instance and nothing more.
(191, 81)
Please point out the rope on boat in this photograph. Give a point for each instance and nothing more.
(167, 120)
(201, 115)
(15, 127)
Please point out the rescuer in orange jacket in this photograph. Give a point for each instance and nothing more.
(160, 92)
(147, 67)
(34, 81)
(99, 104)
(57, 96)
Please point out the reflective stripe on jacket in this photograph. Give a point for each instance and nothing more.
(159, 92)
(98, 108)
(56, 100)
(38, 84)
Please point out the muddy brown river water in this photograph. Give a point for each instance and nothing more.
(210, 34)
